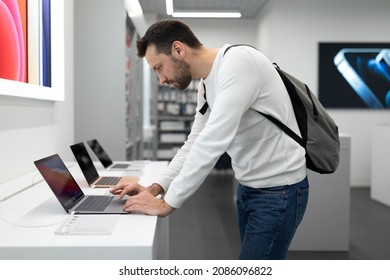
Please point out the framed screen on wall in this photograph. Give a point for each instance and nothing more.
(354, 75)
(32, 48)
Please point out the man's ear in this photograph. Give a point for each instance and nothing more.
(177, 49)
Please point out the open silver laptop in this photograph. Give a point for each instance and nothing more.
(70, 195)
(107, 162)
(91, 174)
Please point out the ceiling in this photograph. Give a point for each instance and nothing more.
(248, 8)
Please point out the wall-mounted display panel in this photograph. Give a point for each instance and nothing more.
(354, 75)
(32, 49)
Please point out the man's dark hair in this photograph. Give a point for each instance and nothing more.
(163, 33)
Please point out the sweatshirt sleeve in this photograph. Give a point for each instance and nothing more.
(174, 167)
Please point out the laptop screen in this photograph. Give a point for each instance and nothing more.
(85, 162)
(100, 153)
(60, 180)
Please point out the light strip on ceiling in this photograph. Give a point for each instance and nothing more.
(207, 14)
(184, 14)
(133, 8)
(169, 6)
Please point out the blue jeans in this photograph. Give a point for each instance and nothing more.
(268, 219)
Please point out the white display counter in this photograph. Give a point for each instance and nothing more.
(325, 226)
(380, 164)
(37, 214)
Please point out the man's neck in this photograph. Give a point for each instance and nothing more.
(201, 61)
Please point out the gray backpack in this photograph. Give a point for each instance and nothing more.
(320, 134)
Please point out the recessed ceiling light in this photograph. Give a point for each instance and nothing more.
(199, 14)
(169, 6)
(207, 14)
(133, 8)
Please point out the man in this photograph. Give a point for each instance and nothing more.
(268, 164)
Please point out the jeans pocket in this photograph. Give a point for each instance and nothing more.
(302, 198)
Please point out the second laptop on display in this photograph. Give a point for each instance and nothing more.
(90, 172)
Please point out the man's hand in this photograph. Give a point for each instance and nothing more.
(127, 189)
(133, 189)
(143, 199)
(146, 203)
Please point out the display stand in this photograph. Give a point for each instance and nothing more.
(31, 218)
(380, 174)
(325, 226)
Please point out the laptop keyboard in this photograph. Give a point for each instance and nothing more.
(120, 165)
(108, 181)
(94, 203)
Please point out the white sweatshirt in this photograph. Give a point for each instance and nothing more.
(262, 154)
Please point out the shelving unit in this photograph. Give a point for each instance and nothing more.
(133, 96)
(173, 118)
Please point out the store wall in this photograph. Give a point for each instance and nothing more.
(31, 129)
(214, 33)
(99, 37)
(289, 33)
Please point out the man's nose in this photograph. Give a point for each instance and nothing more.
(162, 79)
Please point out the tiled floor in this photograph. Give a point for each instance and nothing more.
(205, 227)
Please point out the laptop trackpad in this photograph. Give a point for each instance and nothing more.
(116, 207)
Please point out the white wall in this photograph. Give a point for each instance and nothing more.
(214, 33)
(100, 74)
(31, 129)
(289, 33)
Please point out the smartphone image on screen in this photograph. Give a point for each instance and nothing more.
(368, 72)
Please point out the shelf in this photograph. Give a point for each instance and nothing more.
(133, 95)
(173, 118)
(166, 117)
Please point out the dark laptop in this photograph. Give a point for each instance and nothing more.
(105, 159)
(70, 195)
(91, 174)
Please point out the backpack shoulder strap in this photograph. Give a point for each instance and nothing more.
(206, 105)
(278, 123)
(285, 129)
(237, 45)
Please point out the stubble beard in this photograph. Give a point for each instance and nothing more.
(183, 75)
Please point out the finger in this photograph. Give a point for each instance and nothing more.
(129, 202)
(115, 191)
(134, 203)
(123, 193)
(117, 188)
(135, 207)
(143, 202)
(124, 189)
